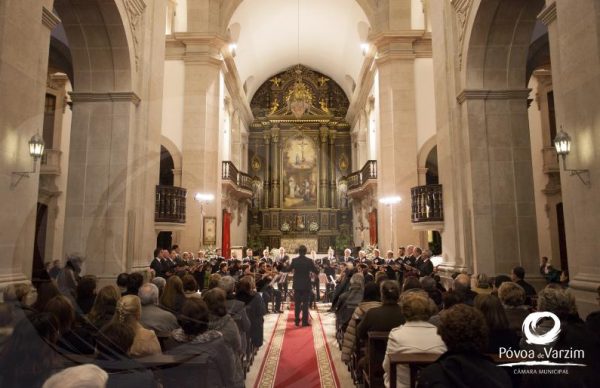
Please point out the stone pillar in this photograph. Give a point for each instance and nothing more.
(200, 154)
(333, 198)
(323, 173)
(499, 180)
(23, 79)
(267, 181)
(276, 174)
(575, 51)
(397, 138)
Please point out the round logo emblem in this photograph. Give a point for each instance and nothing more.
(530, 324)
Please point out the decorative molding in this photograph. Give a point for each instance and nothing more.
(548, 14)
(103, 97)
(463, 10)
(402, 45)
(135, 12)
(49, 18)
(486, 94)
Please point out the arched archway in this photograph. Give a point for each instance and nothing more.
(497, 152)
(423, 156)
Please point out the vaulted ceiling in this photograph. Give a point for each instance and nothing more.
(266, 33)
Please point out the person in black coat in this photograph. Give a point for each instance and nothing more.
(302, 266)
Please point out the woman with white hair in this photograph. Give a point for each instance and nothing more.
(129, 311)
(86, 375)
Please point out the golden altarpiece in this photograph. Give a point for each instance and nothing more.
(299, 154)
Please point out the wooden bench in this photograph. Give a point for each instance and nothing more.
(373, 371)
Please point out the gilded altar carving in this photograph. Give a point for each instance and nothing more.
(326, 98)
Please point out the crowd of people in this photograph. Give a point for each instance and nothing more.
(465, 326)
(213, 308)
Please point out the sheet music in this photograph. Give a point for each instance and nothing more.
(332, 280)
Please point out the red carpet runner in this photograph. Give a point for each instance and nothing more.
(297, 357)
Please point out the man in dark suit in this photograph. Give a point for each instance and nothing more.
(518, 276)
(302, 266)
(156, 264)
(425, 268)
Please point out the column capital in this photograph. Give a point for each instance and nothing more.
(409, 44)
(488, 94)
(49, 18)
(323, 132)
(332, 134)
(275, 134)
(267, 138)
(548, 14)
(132, 97)
(196, 48)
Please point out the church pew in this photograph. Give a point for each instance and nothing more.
(376, 346)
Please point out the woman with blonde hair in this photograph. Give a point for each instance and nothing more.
(129, 311)
(173, 296)
(104, 306)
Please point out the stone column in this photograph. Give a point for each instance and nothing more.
(575, 49)
(267, 178)
(200, 154)
(333, 198)
(23, 80)
(397, 138)
(276, 173)
(323, 171)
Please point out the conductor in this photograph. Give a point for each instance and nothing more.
(302, 266)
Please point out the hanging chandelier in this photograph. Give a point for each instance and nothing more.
(299, 98)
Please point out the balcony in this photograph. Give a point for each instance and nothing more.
(427, 207)
(360, 181)
(50, 162)
(170, 205)
(239, 184)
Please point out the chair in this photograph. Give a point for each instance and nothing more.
(415, 362)
(376, 346)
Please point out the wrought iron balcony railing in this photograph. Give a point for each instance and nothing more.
(427, 203)
(232, 174)
(170, 204)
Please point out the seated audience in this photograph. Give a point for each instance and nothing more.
(236, 308)
(6, 323)
(411, 283)
(371, 299)
(160, 283)
(194, 338)
(123, 282)
(17, 295)
(512, 297)
(518, 276)
(255, 308)
(81, 376)
(104, 306)
(462, 285)
(349, 300)
(428, 284)
(173, 296)
(113, 345)
(219, 320)
(498, 280)
(45, 292)
(190, 286)
(449, 299)
(499, 332)
(28, 358)
(573, 335)
(86, 293)
(153, 317)
(464, 331)
(386, 317)
(213, 280)
(134, 282)
(129, 312)
(76, 334)
(68, 277)
(415, 336)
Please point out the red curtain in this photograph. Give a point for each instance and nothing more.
(226, 234)
(373, 227)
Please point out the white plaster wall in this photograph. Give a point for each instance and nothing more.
(373, 125)
(173, 98)
(180, 22)
(539, 178)
(425, 100)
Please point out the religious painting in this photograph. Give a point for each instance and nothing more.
(209, 231)
(299, 173)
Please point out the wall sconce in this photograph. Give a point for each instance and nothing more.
(36, 150)
(562, 143)
(232, 49)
